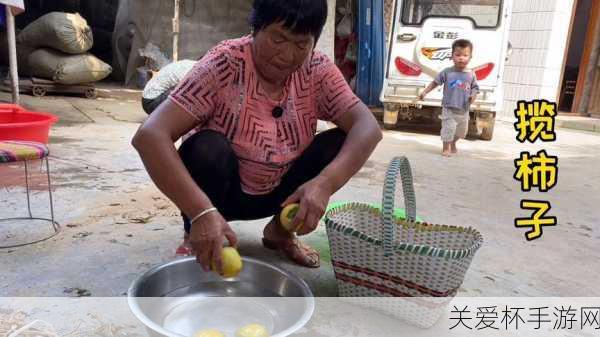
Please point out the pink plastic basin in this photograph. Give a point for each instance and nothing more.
(17, 123)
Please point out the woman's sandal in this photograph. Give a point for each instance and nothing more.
(296, 251)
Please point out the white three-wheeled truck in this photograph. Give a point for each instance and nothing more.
(419, 46)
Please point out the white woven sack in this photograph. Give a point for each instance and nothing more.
(66, 32)
(67, 69)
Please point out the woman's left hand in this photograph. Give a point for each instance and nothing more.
(313, 197)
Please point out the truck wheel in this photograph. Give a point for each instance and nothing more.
(390, 116)
(473, 132)
(488, 130)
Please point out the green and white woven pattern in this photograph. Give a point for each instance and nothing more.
(377, 255)
(398, 167)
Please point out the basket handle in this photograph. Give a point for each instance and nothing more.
(399, 166)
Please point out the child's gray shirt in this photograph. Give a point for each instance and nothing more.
(458, 87)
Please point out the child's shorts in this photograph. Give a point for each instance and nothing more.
(455, 124)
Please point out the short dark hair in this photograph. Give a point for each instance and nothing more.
(462, 43)
(299, 16)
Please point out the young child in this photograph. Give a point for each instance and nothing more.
(460, 90)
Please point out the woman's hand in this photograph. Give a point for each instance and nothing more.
(154, 142)
(313, 197)
(207, 236)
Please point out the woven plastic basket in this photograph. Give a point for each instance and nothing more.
(407, 269)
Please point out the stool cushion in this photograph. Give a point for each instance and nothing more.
(16, 150)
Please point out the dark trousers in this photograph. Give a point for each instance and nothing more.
(213, 165)
(150, 104)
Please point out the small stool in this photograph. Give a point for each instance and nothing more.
(23, 151)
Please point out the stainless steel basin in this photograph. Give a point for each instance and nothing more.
(178, 298)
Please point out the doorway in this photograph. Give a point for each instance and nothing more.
(576, 62)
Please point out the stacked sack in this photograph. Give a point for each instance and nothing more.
(60, 42)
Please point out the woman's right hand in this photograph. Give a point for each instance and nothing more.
(207, 236)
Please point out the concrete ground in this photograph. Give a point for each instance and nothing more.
(116, 224)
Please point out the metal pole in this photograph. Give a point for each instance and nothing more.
(12, 54)
(176, 31)
(27, 189)
(54, 223)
